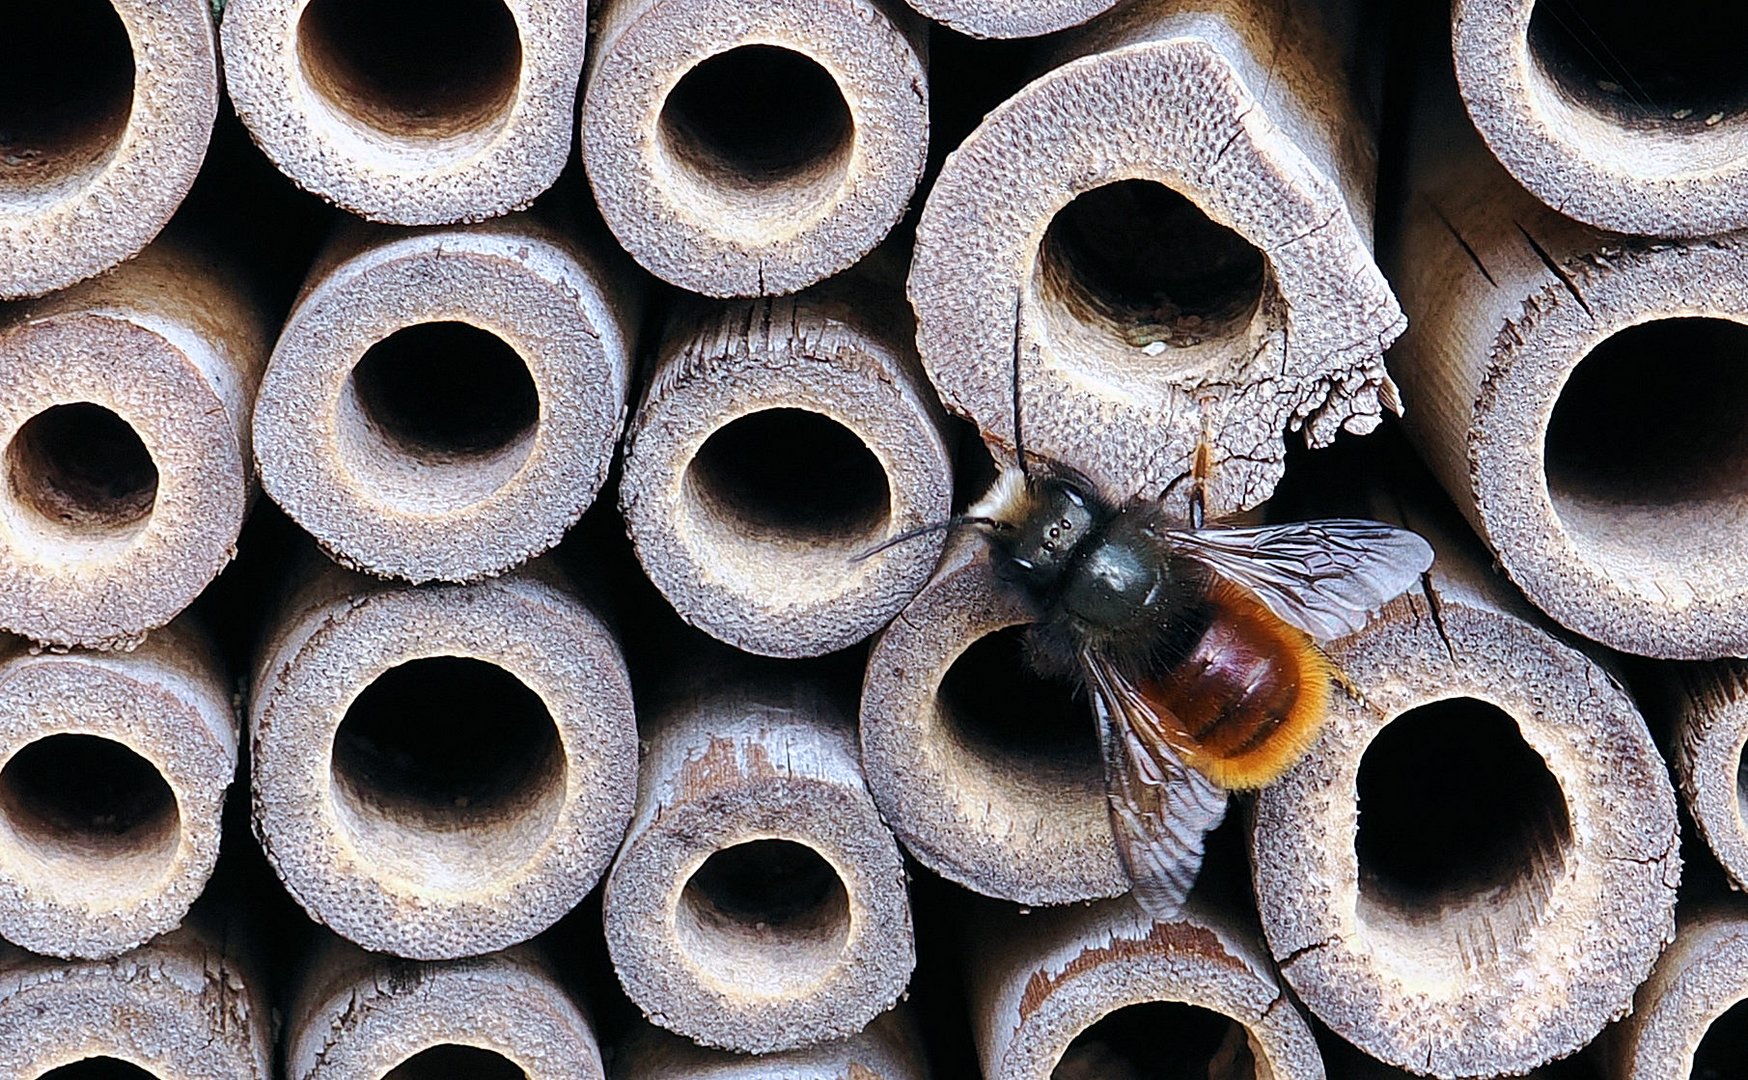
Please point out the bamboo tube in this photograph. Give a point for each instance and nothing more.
(777, 440)
(989, 775)
(1176, 224)
(887, 1049)
(181, 1008)
(1686, 1021)
(106, 108)
(1710, 711)
(113, 772)
(409, 112)
(754, 147)
(1578, 394)
(361, 1016)
(125, 424)
(759, 902)
(1011, 18)
(1102, 991)
(1616, 115)
(1477, 863)
(440, 771)
(443, 405)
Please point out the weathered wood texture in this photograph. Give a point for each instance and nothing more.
(1709, 704)
(1698, 980)
(125, 422)
(754, 147)
(440, 771)
(1476, 863)
(444, 404)
(113, 773)
(887, 1049)
(405, 115)
(1040, 980)
(777, 440)
(109, 108)
(1176, 221)
(179, 1008)
(1622, 116)
(360, 1016)
(759, 902)
(1579, 395)
(989, 777)
(1011, 18)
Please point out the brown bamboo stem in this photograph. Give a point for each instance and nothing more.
(444, 404)
(1011, 18)
(1487, 814)
(1176, 220)
(125, 427)
(887, 1049)
(753, 148)
(1710, 735)
(778, 440)
(441, 771)
(108, 106)
(360, 1016)
(1102, 991)
(409, 113)
(1684, 1021)
(759, 902)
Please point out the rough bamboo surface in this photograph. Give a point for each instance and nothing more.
(1011, 18)
(759, 902)
(1710, 734)
(125, 423)
(444, 404)
(180, 1008)
(1578, 394)
(1476, 863)
(1613, 114)
(887, 1049)
(754, 147)
(1175, 221)
(969, 756)
(113, 773)
(109, 107)
(778, 440)
(1040, 980)
(409, 116)
(360, 1016)
(440, 771)
(1701, 977)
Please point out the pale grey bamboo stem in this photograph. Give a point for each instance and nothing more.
(887, 1049)
(1011, 18)
(1698, 980)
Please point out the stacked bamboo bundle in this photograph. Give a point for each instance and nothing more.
(475, 592)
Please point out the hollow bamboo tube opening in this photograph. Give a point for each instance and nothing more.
(450, 1059)
(1690, 1018)
(754, 149)
(473, 771)
(889, 1048)
(1709, 706)
(1011, 18)
(441, 390)
(98, 1068)
(106, 107)
(770, 895)
(84, 471)
(88, 806)
(405, 112)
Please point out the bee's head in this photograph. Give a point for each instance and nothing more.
(1036, 522)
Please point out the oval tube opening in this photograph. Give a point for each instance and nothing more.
(82, 470)
(99, 1068)
(1159, 1039)
(1001, 713)
(444, 391)
(1724, 1047)
(89, 812)
(768, 915)
(455, 1060)
(66, 90)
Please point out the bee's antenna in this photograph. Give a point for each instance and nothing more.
(924, 530)
(1019, 440)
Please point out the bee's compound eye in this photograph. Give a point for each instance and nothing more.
(1073, 495)
(1025, 565)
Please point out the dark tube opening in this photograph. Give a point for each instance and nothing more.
(1141, 264)
(66, 89)
(1724, 1048)
(450, 1061)
(413, 68)
(83, 797)
(998, 708)
(83, 468)
(1159, 1040)
(757, 115)
(99, 1068)
(792, 474)
(1679, 65)
(765, 898)
(446, 390)
(1454, 805)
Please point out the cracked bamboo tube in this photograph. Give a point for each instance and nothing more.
(180, 1008)
(360, 1016)
(106, 109)
(759, 903)
(1487, 814)
(113, 773)
(777, 440)
(1103, 992)
(887, 1049)
(125, 424)
(1011, 18)
(440, 771)
(1176, 221)
(1686, 1021)
(754, 147)
(1616, 116)
(1579, 394)
(410, 112)
(1710, 714)
(444, 404)
(988, 774)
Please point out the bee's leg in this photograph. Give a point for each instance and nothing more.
(1347, 684)
(1202, 472)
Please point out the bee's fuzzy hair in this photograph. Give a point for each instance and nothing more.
(1008, 500)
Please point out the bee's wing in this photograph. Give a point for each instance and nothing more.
(1325, 577)
(1161, 808)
